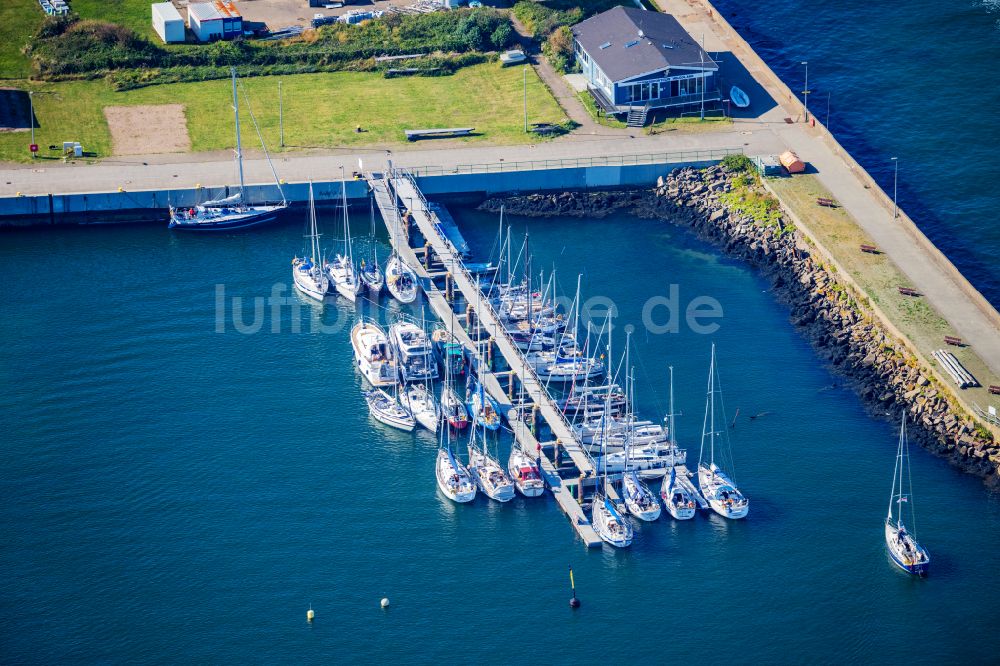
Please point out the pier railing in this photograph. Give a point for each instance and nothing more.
(677, 157)
(498, 330)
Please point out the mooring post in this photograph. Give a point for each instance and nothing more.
(510, 385)
(579, 490)
(489, 354)
(448, 293)
(427, 256)
(555, 453)
(468, 318)
(534, 420)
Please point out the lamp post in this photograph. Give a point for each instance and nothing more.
(895, 181)
(805, 93)
(281, 118)
(524, 80)
(31, 119)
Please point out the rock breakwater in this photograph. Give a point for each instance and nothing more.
(842, 330)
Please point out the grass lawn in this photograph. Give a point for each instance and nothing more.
(320, 110)
(135, 14)
(879, 276)
(20, 19)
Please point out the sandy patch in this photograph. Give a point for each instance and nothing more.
(143, 130)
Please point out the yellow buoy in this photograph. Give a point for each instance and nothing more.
(310, 614)
(385, 602)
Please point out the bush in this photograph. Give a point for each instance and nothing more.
(737, 163)
(558, 48)
(69, 48)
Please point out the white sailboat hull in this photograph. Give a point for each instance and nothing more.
(526, 484)
(372, 354)
(310, 285)
(400, 280)
(490, 476)
(905, 552)
(456, 484)
(422, 404)
(721, 494)
(639, 500)
(386, 410)
(609, 525)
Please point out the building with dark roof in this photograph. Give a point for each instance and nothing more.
(633, 58)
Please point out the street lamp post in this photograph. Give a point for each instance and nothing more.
(805, 93)
(895, 181)
(524, 80)
(31, 119)
(281, 118)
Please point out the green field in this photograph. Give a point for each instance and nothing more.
(18, 21)
(320, 110)
(135, 14)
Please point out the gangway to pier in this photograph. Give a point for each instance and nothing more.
(396, 191)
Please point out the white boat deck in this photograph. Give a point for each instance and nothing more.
(390, 196)
(684, 481)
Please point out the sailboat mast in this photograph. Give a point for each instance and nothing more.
(239, 146)
(313, 240)
(347, 231)
(673, 438)
(711, 397)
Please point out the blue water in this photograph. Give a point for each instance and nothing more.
(176, 494)
(914, 80)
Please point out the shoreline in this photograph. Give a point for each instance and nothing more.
(851, 337)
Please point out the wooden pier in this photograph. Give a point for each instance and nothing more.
(401, 204)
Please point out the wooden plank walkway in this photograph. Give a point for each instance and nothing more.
(390, 195)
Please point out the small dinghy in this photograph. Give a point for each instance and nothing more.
(401, 281)
(388, 410)
(422, 405)
(525, 473)
(739, 98)
(905, 551)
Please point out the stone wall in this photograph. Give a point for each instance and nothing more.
(844, 334)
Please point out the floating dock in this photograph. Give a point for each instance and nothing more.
(402, 204)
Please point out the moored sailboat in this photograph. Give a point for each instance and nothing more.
(370, 274)
(388, 410)
(421, 402)
(373, 354)
(486, 469)
(232, 212)
(341, 270)
(525, 473)
(307, 272)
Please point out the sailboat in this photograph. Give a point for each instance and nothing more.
(677, 495)
(903, 547)
(422, 405)
(341, 270)
(489, 474)
(453, 408)
(525, 473)
(453, 478)
(370, 274)
(607, 521)
(716, 486)
(373, 354)
(401, 281)
(232, 212)
(482, 407)
(307, 272)
(678, 498)
(387, 409)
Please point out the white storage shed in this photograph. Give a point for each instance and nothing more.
(167, 22)
(205, 21)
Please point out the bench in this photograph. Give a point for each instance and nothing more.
(994, 389)
(870, 249)
(906, 291)
(413, 135)
(952, 340)
(823, 201)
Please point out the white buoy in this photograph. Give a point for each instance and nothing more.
(310, 614)
(385, 602)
